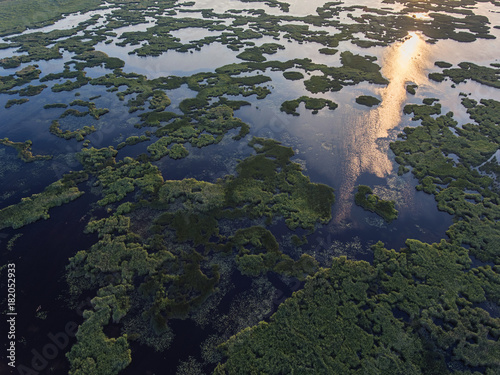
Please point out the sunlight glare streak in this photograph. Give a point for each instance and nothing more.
(368, 145)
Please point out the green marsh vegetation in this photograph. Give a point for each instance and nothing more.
(272, 3)
(267, 186)
(458, 187)
(256, 53)
(68, 85)
(37, 206)
(485, 75)
(200, 124)
(32, 90)
(38, 13)
(92, 109)
(24, 150)
(316, 104)
(13, 102)
(46, 46)
(365, 198)
(328, 51)
(411, 89)
(247, 26)
(367, 100)
(293, 76)
(79, 134)
(160, 242)
(354, 69)
(133, 140)
(20, 78)
(415, 310)
(167, 284)
(410, 311)
(55, 105)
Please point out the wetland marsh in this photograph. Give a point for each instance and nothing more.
(211, 188)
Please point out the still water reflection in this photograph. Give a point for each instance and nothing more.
(366, 146)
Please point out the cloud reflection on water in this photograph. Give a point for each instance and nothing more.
(366, 145)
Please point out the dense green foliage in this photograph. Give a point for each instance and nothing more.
(32, 90)
(367, 100)
(354, 69)
(95, 353)
(270, 184)
(132, 140)
(20, 78)
(12, 102)
(257, 53)
(328, 51)
(266, 185)
(418, 308)
(293, 76)
(411, 89)
(37, 12)
(92, 109)
(411, 312)
(170, 284)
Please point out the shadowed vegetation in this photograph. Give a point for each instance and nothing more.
(37, 206)
(365, 198)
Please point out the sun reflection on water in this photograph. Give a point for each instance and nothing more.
(420, 16)
(367, 145)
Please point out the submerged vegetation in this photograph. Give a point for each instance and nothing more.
(168, 247)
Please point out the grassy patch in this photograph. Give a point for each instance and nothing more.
(293, 76)
(24, 150)
(316, 104)
(37, 206)
(367, 100)
(36, 13)
(365, 198)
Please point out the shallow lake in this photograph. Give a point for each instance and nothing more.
(342, 148)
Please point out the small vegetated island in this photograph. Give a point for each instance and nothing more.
(365, 198)
(24, 150)
(290, 106)
(170, 246)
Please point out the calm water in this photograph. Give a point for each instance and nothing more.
(342, 148)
